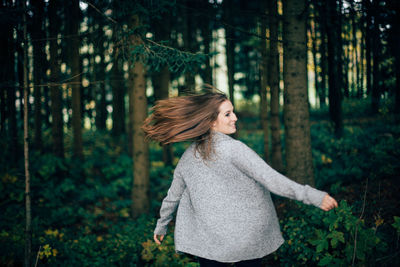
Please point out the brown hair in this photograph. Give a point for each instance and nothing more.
(185, 118)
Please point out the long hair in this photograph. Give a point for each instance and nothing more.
(185, 118)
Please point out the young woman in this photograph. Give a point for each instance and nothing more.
(220, 187)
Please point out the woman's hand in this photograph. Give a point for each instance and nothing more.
(328, 203)
(158, 241)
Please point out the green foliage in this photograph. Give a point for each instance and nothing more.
(155, 55)
(333, 238)
(164, 254)
(369, 152)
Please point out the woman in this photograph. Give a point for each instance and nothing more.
(220, 187)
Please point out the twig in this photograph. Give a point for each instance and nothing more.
(37, 257)
(95, 8)
(359, 219)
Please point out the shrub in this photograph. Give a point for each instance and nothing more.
(334, 238)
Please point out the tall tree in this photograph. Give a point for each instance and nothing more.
(296, 109)
(28, 208)
(206, 30)
(74, 21)
(230, 46)
(161, 78)
(368, 44)
(394, 37)
(323, 51)
(55, 90)
(264, 80)
(188, 40)
(7, 83)
(335, 68)
(118, 90)
(376, 54)
(38, 37)
(140, 151)
(273, 80)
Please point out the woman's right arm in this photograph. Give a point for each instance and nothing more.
(170, 204)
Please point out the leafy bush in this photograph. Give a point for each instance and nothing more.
(334, 238)
(164, 254)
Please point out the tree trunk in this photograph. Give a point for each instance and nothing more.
(38, 36)
(264, 82)
(137, 80)
(100, 91)
(296, 109)
(161, 79)
(8, 94)
(346, 62)
(230, 47)
(376, 54)
(361, 66)
(368, 42)
(207, 38)
(273, 80)
(55, 90)
(28, 225)
(334, 69)
(188, 43)
(76, 79)
(118, 92)
(323, 61)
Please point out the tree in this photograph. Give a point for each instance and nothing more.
(28, 210)
(264, 81)
(38, 36)
(74, 19)
(230, 46)
(161, 78)
(334, 67)
(118, 90)
(140, 151)
(55, 90)
(296, 113)
(273, 80)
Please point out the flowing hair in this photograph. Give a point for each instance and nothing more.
(185, 118)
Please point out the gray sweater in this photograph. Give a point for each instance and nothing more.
(225, 212)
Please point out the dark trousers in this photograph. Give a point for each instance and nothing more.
(210, 263)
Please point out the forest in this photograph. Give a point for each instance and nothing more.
(316, 89)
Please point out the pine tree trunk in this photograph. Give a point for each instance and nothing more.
(118, 92)
(230, 47)
(334, 69)
(8, 94)
(55, 90)
(161, 79)
(361, 65)
(188, 43)
(38, 37)
(368, 42)
(273, 80)
(76, 80)
(28, 225)
(296, 109)
(376, 54)
(137, 80)
(324, 60)
(100, 91)
(207, 38)
(264, 82)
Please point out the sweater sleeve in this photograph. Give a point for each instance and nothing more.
(170, 203)
(248, 161)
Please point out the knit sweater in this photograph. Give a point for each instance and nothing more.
(225, 212)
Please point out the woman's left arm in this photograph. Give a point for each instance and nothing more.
(255, 167)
